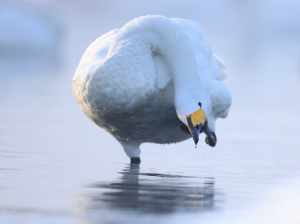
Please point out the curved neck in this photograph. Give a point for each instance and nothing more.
(166, 37)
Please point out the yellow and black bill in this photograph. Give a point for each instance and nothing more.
(194, 129)
(197, 124)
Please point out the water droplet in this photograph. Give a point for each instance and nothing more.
(195, 146)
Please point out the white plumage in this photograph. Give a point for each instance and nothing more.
(141, 82)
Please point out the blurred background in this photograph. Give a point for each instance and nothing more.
(56, 166)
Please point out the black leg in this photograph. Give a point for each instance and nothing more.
(211, 138)
(135, 160)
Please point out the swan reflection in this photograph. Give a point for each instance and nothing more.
(153, 193)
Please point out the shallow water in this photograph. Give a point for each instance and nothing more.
(56, 166)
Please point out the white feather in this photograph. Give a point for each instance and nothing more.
(135, 82)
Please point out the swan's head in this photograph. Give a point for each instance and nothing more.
(197, 118)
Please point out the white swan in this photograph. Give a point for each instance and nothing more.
(151, 81)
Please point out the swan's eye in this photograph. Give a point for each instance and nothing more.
(199, 104)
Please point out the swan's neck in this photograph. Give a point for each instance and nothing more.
(167, 38)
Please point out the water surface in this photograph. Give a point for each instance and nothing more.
(56, 166)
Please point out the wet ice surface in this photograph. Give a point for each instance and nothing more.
(58, 167)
